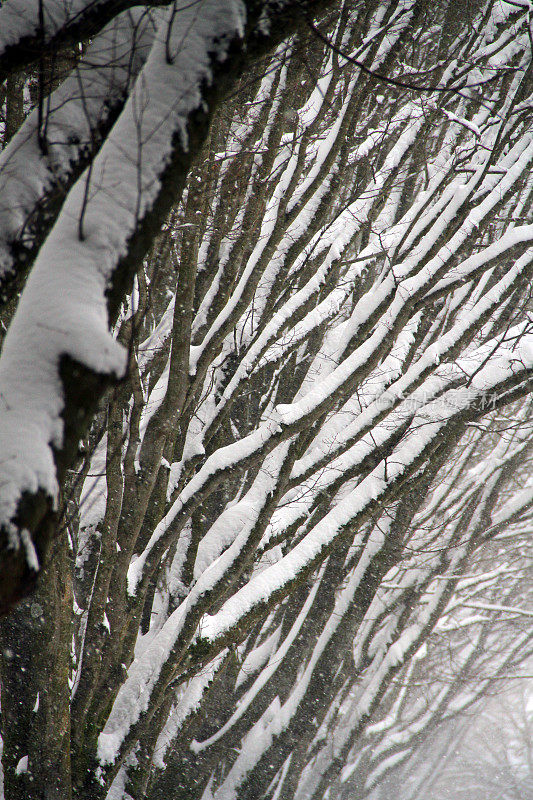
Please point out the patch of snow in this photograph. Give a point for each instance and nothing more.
(22, 766)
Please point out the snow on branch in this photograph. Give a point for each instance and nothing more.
(45, 156)
(32, 29)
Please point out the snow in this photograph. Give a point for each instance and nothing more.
(271, 724)
(31, 554)
(187, 702)
(226, 245)
(22, 766)
(323, 149)
(254, 743)
(499, 608)
(250, 273)
(225, 530)
(20, 18)
(256, 659)
(275, 660)
(74, 112)
(62, 311)
(433, 418)
(93, 495)
(464, 122)
(158, 336)
(134, 695)
(222, 459)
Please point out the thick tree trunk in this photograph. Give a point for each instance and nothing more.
(35, 664)
(14, 105)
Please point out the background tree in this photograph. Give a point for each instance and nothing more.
(323, 428)
(490, 754)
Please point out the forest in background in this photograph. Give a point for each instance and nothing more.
(265, 277)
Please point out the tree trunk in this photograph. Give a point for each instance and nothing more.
(35, 649)
(14, 105)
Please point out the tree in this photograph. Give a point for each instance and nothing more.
(135, 109)
(303, 457)
(480, 646)
(494, 753)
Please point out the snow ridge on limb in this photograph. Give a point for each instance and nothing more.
(44, 157)
(31, 29)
